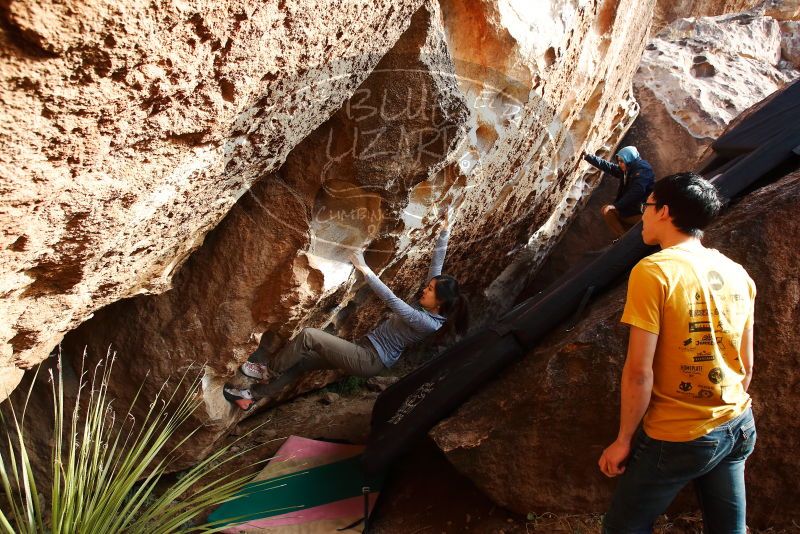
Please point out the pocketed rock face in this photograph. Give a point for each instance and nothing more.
(532, 438)
(697, 75)
(129, 130)
(279, 260)
(481, 105)
(527, 183)
(781, 9)
(668, 11)
(790, 42)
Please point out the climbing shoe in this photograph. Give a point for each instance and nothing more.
(259, 371)
(240, 397)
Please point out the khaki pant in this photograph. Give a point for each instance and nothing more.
(314, 349)
(619, 224)
(326, 351)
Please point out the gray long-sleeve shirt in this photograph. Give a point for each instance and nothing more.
(409, 323)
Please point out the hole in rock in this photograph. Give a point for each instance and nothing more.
(23, 340)
(703, 70)
(19, 244)
(228, 90)
(485, 137)
(550, 56)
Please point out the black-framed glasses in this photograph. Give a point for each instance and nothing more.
(643, 206)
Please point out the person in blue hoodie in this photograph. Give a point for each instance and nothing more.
(636, 181)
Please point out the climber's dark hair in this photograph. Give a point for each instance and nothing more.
(693, 201)
(453, 306)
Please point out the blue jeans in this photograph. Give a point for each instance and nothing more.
(657, 470)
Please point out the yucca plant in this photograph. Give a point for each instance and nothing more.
(105, 476)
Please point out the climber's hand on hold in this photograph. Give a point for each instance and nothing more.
(357, 259)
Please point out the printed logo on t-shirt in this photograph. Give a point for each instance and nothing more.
(708, 339)
(702, 312)
(700, 326)
(715, 375)
(703, 357)
(722, 328)
(715, 280)
(685, 386)
(704, 393)
(691, 370)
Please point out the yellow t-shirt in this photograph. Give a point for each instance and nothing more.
(699, 303)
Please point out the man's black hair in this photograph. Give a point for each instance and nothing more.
(693, 201)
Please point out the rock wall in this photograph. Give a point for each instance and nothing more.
(698, 74)
(780, 9)
(279, 260)
(478, 104)
(663, 135)
(667, 11)
(130, 130)
(790, 42)
(532, 438)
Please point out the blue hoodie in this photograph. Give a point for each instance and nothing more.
(636, 183)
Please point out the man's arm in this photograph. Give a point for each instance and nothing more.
(637, 386)
(606, 166)
(746, 354)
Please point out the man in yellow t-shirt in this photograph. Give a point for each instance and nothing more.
(685, 413)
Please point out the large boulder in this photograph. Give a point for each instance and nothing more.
(780, 9)
(469, 107)
(696, 75)
(790, 42)
(531, 439)
(280, 258)
(668, 11)
(666, 142)
(129, 131)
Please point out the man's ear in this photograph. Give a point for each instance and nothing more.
(663, 213)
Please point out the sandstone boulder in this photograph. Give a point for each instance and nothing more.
(666, 142)
(698, 74)
(470, 107)
(780, 9)
(531, 439)
(668, 11)
(790, 42)
(129, 131)
(280, 257)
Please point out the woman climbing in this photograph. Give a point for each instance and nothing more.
(441, 306)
